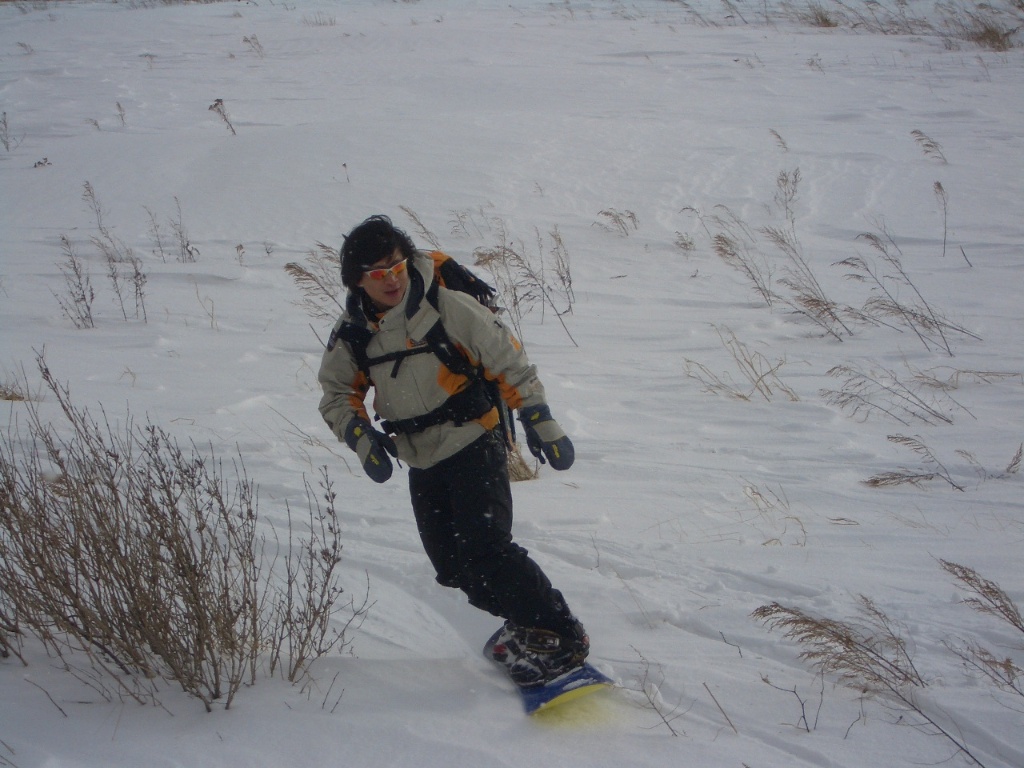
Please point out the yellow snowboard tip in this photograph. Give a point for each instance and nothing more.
(573, 695)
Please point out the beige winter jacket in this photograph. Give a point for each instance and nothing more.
(422, 383)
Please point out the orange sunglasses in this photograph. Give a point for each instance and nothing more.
(383, 274)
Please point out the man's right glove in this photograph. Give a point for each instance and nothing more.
(372, 447)
(545, 438)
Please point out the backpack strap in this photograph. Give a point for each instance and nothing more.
(455, 360)
(443, 347)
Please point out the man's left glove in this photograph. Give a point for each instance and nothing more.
(372, 447)
(545, 438)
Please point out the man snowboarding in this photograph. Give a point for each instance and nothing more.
(432, 357)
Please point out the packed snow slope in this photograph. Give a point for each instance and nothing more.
(680, 155)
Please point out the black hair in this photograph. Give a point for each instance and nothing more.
(369, 242)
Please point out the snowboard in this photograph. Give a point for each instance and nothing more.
(573, 685)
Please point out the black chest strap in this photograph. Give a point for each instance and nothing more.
(470, 403)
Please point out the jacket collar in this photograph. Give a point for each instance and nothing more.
(421, 275)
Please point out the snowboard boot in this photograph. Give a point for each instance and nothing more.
(537, 656)
(499, 650)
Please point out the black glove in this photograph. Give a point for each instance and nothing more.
(545, 438)
(372, 447)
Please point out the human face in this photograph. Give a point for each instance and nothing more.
(387, 292)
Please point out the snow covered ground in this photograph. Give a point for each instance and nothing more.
(639, 135)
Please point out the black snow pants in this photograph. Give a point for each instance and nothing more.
(463, 509)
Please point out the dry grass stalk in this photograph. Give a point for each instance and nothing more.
(187, 253)
(880, 390)
(498, 260)
(6, 140)
(870, 655)
(900, 477)
(721, 709)
(955, 379)
(561, 268)
(803, 722)
(1011, 469)
(929, 146)
(943, 198)
(76, 303)
(684, 242)
(209, 308)
(1014, 466)
(787, 187)
(1001, 671)
(774, 508)
(819, 16)
(779, 140)
(651, 691)
(421, 228)
(737, 255)
(936, 469)
(992, 25)
(883, 305)
(808, 297)
(519, 469)
(320, 19)
(737, 245)
(985, 27)
(620, 222)
(220, 109)
(124, 268)
(10, 633)
(761, 373)
(480, 222)
(254, 45)
(988, 598)
(13, 393)
(159, 249)
(319, 280)
(713, 383)
(522, 281)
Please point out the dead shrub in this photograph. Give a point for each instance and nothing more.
(143, 557)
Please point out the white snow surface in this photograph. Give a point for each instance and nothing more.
(686, 509)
